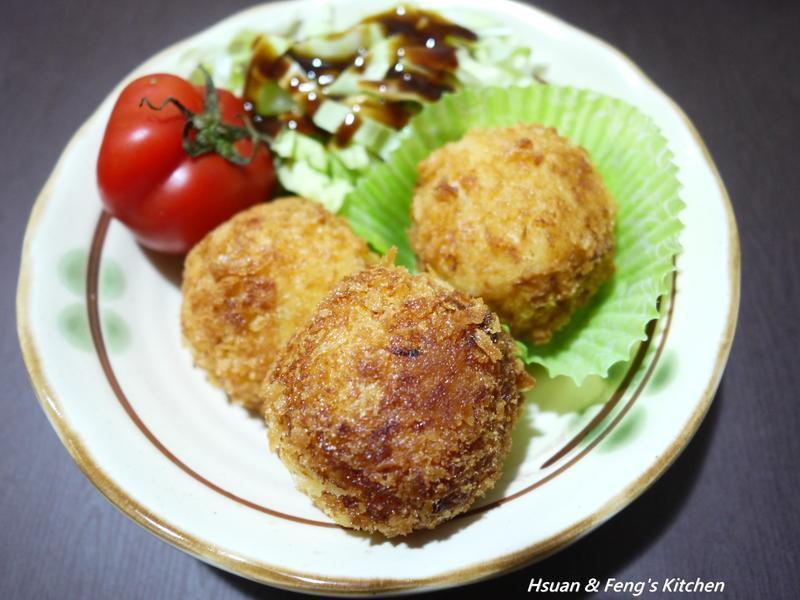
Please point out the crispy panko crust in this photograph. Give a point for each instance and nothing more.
(254, 280)
(394, 406)
(520, 217)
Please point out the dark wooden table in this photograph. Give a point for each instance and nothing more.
(728, 508)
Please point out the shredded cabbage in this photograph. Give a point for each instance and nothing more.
(328, 174)
(227, 64)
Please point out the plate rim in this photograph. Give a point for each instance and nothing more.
(309, 582)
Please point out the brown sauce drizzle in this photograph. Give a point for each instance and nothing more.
(265, 65)
(419, 25)
(393, 114)
(273, 125)
(314, 66)
(425, 62)
(347, 129)
(440, 58)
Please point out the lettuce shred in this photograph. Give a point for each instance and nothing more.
(326, 173)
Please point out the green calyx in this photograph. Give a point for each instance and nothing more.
(206, 132)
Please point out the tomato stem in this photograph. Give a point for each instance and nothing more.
(206, 132)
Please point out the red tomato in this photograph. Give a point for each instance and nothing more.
(147, 179)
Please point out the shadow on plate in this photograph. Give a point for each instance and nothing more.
(603, 553)
(608, 550)
(169, 266)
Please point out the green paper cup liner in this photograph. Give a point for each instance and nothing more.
(632, 155)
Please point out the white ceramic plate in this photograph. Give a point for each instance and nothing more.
(103, 349)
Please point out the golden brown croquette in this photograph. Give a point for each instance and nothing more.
(254, 280)
(519, 217)
(393, 407)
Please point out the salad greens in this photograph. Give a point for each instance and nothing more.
(324, 170)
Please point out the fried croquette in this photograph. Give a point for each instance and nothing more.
(519, 217)
(393, 407)
(254, 280)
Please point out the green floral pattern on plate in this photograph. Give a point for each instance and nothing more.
(73, 320)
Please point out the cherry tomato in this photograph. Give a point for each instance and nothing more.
(149, 180)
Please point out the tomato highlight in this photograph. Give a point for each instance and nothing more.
(177, 160)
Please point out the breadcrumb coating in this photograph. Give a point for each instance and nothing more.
(394, 406)
(254, 280)
(519, 217)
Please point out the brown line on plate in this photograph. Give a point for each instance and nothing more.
(99, 343)
(611, 402)
(612, 425)
(92, 277)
